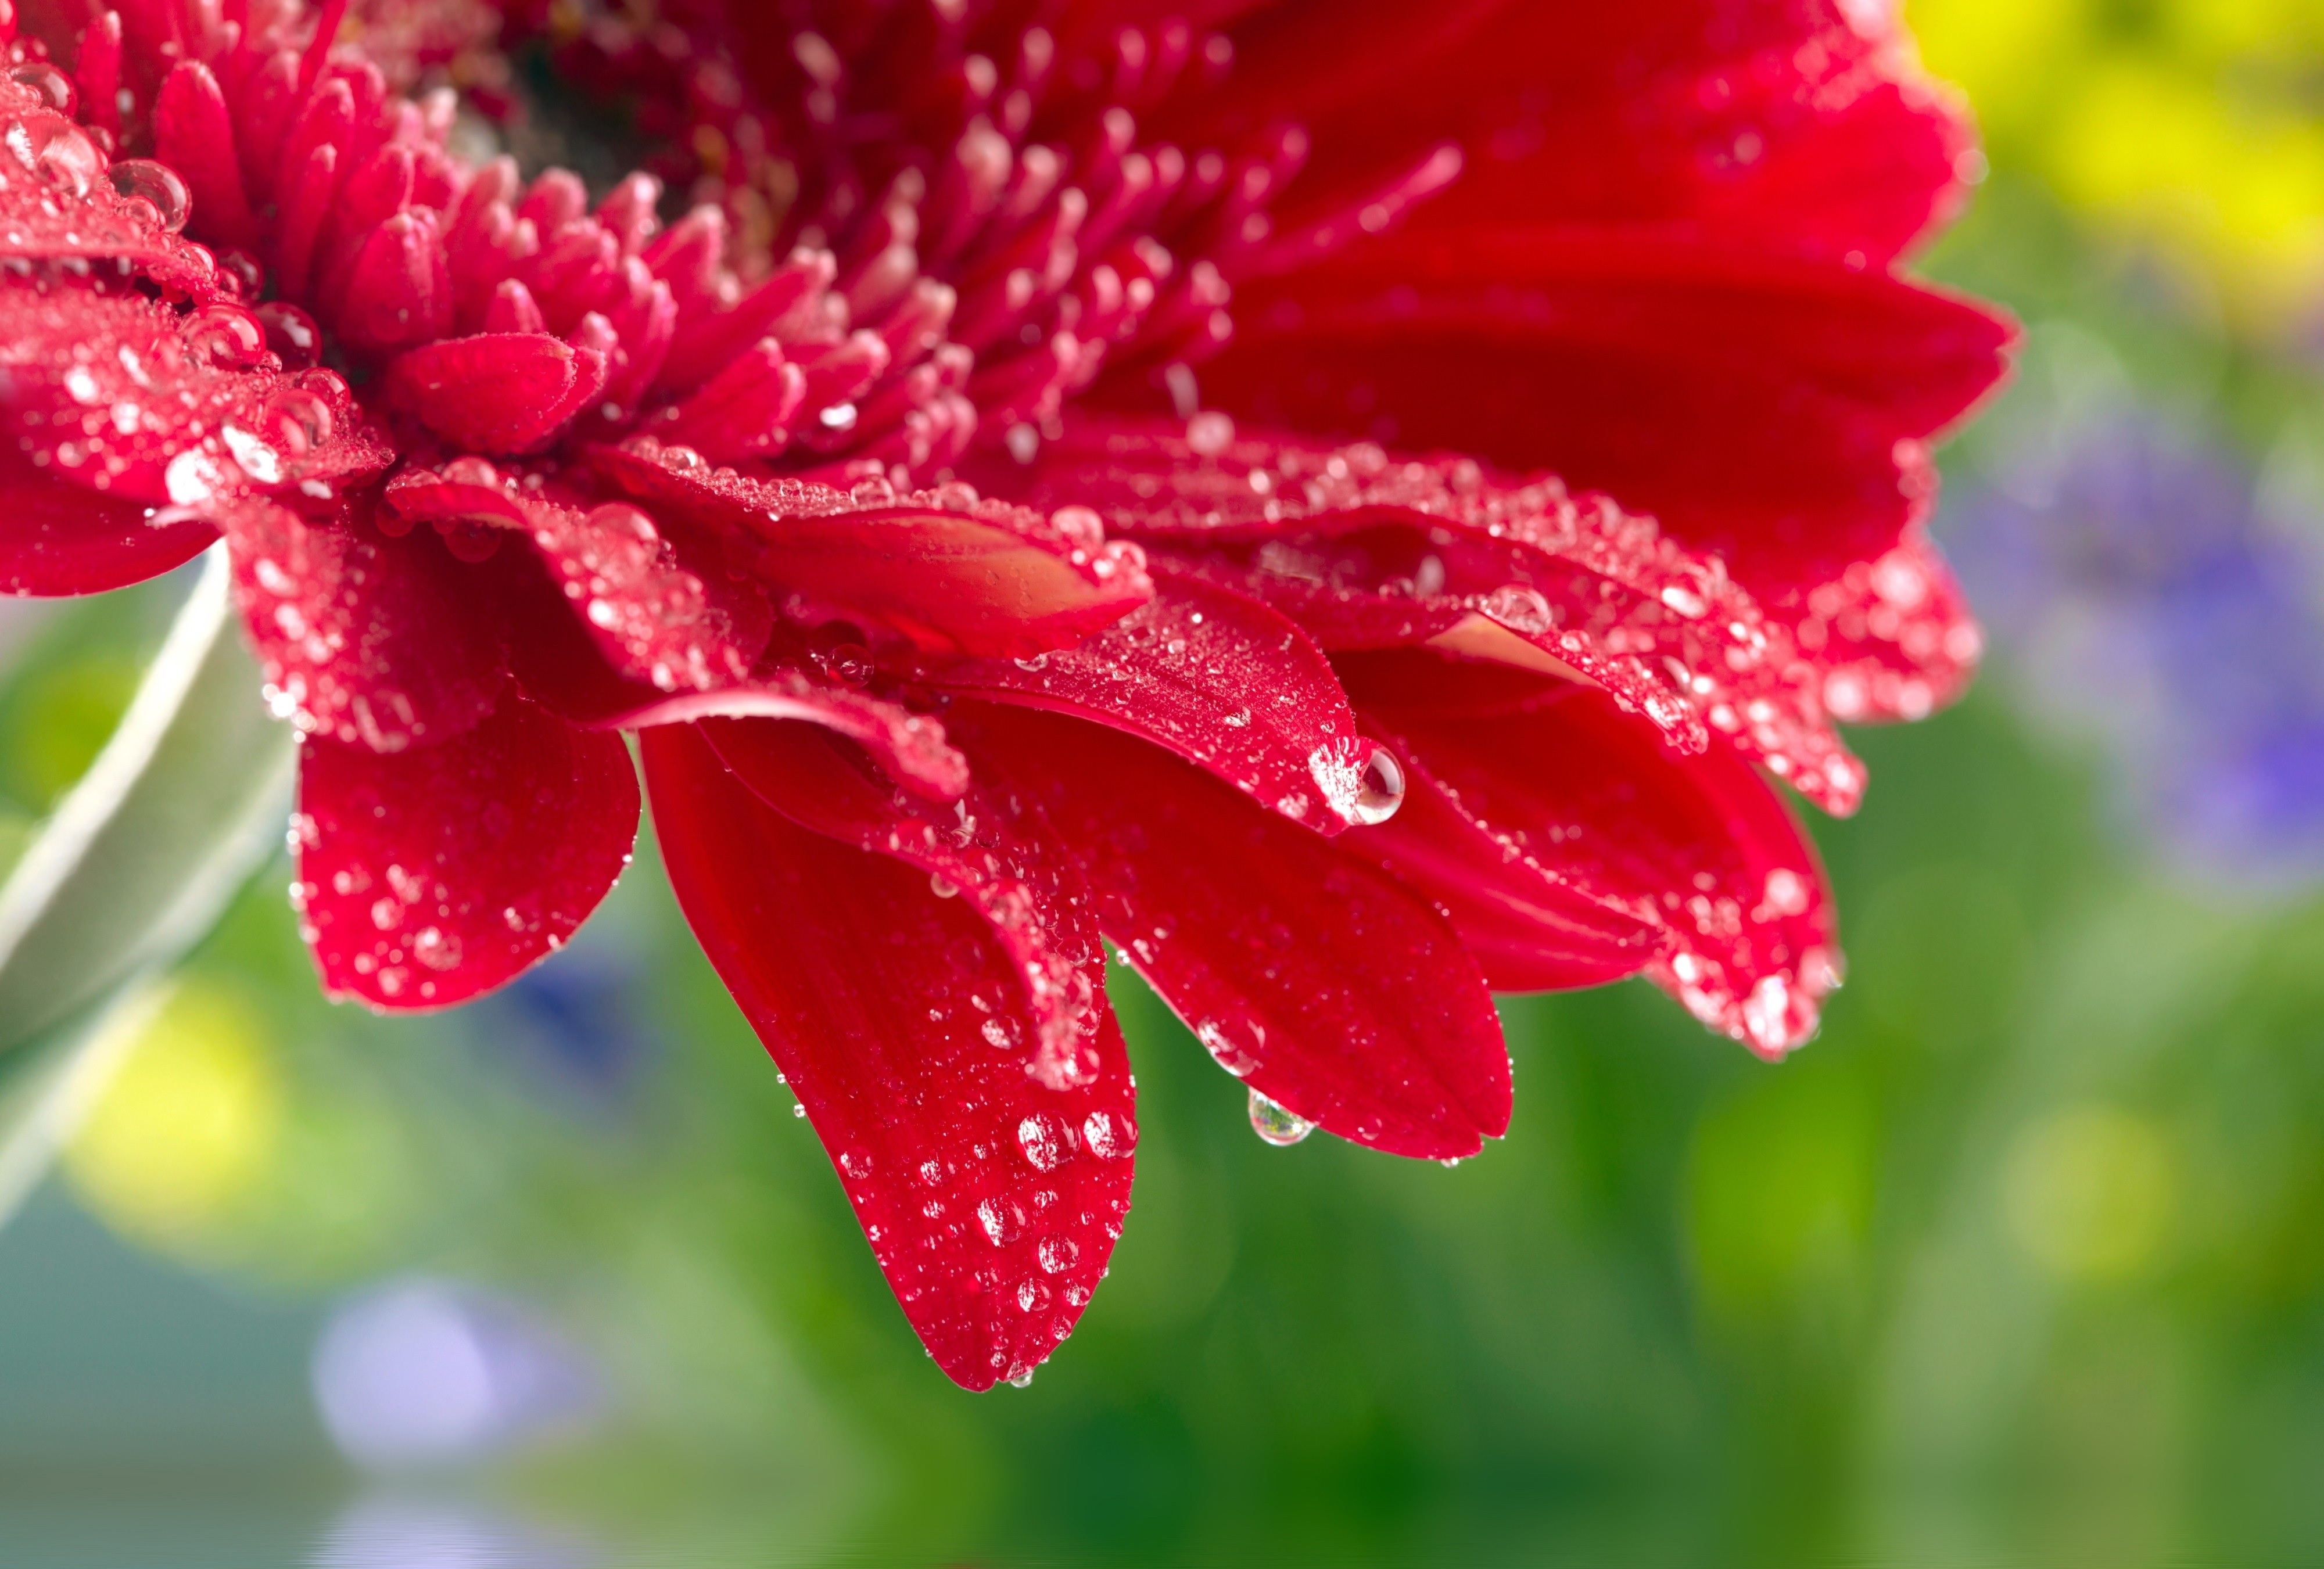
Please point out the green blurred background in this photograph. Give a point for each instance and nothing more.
(2021, 1263)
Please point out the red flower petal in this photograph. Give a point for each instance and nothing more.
(131, 398)
(1211, 674)
(1754, 404)
(1367, 551)
(991, 580)
(1324, 984)
(497, 392)
(1786, 125)
(71, 209)
(432, 876)
(1526, 925)
(56, 538)
(991, 1201)
(987, 850)
(367, 639)
(655, 621)
(1893, 636)
(558, 664)
(1771, 411)
(1558, 779)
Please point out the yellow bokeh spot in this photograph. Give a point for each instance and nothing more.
(2089, 1193)
(2190, 126)
(188, 1123)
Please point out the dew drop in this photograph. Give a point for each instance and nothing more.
(1682, 600)
(1001, 1221)
(1037, 1136)
(296, 420)
(58, 151)
(1032, 1297)
(1109, 1136)
(1057, 1254)
(1521, 609)
(1380, 789)
(1210, 433)
(156, 184)
(1277, 1124)
(55, 87)
(227, 337)
(1023, 1379)
(942, 886)
(436, 948)
(290, 332)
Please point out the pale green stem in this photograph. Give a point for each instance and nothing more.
(136, 864)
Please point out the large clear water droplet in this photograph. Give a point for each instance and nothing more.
(227, 337)
(1277, 1124)
(157, 186)
(1379, 788)
(56, 89)
(290, 333)
(58, 151)
(1521, 609)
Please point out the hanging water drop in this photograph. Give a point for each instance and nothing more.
(1277, 1124)
(1379, 788)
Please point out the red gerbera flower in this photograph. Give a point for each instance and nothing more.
(984, 497)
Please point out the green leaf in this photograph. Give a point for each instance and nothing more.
(136, 863)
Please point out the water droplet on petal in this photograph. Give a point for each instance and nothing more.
(1109, 1136)
(1057, 1254)
(1210, 433)
(56, 89)
(1521, 609)
(1379, 788)
(290, 332)
(156, 184)
(227, 337)
(1276, 1123)
(1023, 1379)
(436, 948)
(1038, 1136)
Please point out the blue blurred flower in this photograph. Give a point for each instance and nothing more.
(2125, 568)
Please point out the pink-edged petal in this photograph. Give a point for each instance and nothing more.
(57, 538)
(497, 392)
(1562, 781)
(1211, 674)
(1321, 982)
(1367, 550)
(991, 850)
(366, 639)
(987, 580)
(431, 876)
(991, 1201)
